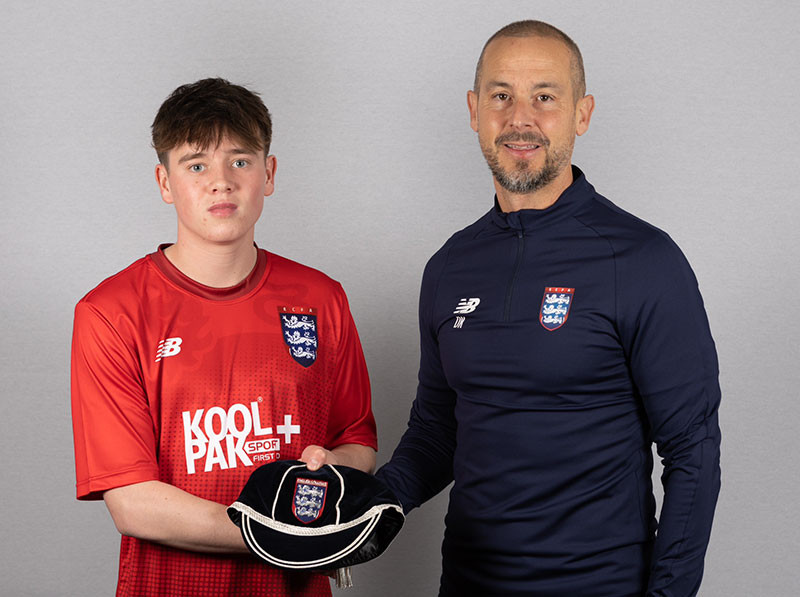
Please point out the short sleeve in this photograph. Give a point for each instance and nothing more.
(350, 420)
(113, 429)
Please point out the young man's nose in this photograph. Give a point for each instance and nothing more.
(221, 184)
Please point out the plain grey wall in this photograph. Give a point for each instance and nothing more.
(695, 130)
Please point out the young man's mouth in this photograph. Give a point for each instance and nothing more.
(223, 209)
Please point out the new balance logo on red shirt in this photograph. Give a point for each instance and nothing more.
(168, 348)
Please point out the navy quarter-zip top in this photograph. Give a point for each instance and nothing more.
(557, 346)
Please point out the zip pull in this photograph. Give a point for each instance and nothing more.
(510, 290)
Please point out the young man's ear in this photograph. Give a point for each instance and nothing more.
(162, 179)
(271, 167)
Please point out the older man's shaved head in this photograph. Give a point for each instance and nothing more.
(540, 29)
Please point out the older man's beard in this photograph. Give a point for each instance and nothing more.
(522, 179)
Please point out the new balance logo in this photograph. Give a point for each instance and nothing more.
(467, 306)
(168, 348)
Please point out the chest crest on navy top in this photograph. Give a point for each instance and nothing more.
(299, 327)
(556, 304)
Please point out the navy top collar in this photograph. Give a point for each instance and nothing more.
(527, 219)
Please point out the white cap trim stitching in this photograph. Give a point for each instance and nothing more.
(328, 529)
(308, 563)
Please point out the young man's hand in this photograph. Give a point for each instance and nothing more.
(352, 455)
(316, 456)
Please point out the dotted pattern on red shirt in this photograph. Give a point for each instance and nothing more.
(233, 362)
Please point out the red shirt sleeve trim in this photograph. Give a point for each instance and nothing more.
(94, 487)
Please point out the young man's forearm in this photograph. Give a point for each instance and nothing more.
(162, 513)
(159, 512)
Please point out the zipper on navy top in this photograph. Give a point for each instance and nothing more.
(510, 291)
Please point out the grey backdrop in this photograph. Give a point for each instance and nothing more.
(695, 130)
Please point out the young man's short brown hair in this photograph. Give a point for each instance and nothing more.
(204, 112)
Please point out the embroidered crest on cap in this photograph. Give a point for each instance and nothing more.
(556, 304)
(309, 499)
(299, 326)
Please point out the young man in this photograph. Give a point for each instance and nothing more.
(560, 338)
(208, 358)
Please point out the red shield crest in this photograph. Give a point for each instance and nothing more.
(555, 308)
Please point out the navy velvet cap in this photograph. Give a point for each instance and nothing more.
(334, 517)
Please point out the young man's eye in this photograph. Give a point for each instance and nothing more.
(197, 168)
(240, 163)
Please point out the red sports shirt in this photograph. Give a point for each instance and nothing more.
(196, 386)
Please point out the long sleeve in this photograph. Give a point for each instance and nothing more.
(673, 364)
(422, 463)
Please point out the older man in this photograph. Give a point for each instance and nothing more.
(560, 338)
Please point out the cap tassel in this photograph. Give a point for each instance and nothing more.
(343, 578)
